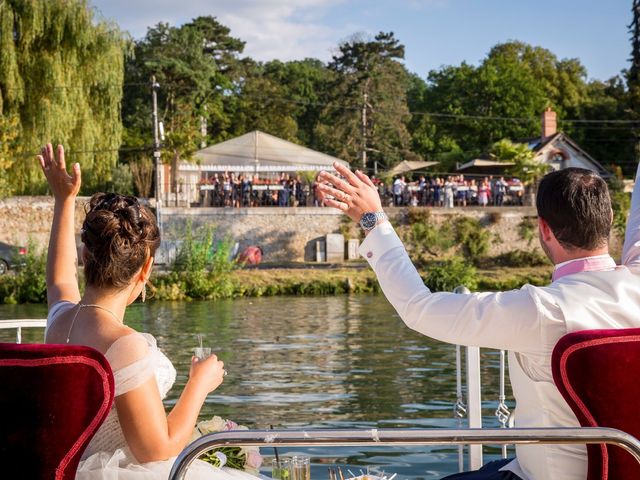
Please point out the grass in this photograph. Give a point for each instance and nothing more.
(321, 281)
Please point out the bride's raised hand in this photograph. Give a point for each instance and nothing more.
(62, 185)
(206, 374)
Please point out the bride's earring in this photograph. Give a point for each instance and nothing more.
(144, 292)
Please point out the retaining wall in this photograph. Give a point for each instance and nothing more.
(285, 234)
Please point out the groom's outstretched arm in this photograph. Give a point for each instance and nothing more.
(499, 320)
(505, 320)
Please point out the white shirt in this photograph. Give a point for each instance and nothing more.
(528, 322)
(398, 185)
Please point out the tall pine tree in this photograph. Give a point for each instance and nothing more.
(633, 75)
(370, 69)
(61, 74)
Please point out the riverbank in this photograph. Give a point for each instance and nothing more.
(29, 286)
(333, 281)
(363, 280)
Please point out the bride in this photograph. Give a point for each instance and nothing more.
(138, 440)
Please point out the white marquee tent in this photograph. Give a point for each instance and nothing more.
(252, 153)
(259, 152)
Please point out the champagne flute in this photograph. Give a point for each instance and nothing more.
(201, 352)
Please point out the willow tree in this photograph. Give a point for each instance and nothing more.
(61, 74)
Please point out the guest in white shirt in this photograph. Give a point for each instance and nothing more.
(588, 291)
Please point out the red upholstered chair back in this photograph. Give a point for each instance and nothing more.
(597, 373)
(53, 398)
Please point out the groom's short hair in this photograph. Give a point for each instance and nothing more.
(576, 205)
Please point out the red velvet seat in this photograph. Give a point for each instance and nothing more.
(53, 398)
(596, 372)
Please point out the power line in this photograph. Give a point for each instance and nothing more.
(354, 107)
(79, 87)
(69, 153)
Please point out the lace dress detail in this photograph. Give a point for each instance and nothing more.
(109, 436)
(134, 359)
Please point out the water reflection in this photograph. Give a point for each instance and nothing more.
(326, 362)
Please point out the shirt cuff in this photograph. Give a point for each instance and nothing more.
(379, 241)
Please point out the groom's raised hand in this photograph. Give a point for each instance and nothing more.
(354, 195)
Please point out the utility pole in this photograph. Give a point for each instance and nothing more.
(156, 149)
(364, 131)
(365, 127)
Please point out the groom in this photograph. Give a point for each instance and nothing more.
(588, 291)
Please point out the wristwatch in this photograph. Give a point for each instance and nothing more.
(369, 220)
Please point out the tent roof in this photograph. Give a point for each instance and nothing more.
(481, 165)
(261, 152)
(407, 166)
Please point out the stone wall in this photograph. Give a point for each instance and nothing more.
(24, 219)
(290, 234)
(285, 234)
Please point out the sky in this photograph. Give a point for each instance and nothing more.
(434, 32)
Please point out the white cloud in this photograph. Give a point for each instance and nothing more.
(282, 29)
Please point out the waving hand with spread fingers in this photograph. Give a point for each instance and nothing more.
(354, 194)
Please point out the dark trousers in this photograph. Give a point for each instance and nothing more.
(487, 472)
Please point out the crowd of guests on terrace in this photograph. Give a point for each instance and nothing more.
(452, 190)
(241, 190)
(291, 190)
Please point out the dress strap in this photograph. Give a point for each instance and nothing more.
(94, 305)
(73, 321)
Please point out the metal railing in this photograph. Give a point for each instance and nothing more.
(384, 437)
(21, 323)
(472, 410)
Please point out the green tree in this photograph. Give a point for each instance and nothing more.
(371, 69)
(609, 143)
(61, 74)
(196, 66)
(633, 78)
(633, 74)
(262, 105)
(526, 168)
(305, 85)
(515, 80)
(8, 135)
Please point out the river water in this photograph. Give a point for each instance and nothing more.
(315, 362)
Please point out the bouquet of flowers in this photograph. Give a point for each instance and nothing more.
(241, 458)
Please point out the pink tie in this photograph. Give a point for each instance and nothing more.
(589, 264)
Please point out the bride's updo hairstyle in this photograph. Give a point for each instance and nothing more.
(119, 234)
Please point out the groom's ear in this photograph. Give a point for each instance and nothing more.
(545, 230)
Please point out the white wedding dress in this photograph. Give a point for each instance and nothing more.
(107, 456)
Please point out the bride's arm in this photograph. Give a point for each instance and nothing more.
(150, 433)
(62, 280)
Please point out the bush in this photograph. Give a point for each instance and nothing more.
(494, 218)
(425, 237)
(527, 229)
(519, 258)
(446, 275)
(200, 271)
(511, 283)
(418, 215)
(620, 204)
(28, 284)
(472, 237)
(122, 179)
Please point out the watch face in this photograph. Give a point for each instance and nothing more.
(368, 221)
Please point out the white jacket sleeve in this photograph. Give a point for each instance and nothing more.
(506, 320)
